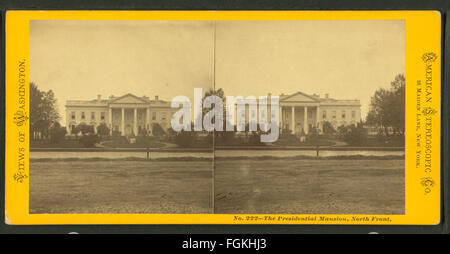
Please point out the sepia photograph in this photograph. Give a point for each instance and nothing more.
(217, 117)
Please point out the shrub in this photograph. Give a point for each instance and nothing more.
(103, 130)
(57, 133)
(225, 137)
(185, 138)
(157, 130)
(143, 132)
(85, 129)
(89, 140)
(353, 135)
(313, 135)
(328, 129)
(255, 139)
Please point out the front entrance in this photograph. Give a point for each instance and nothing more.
(128, 130)
(299, 128)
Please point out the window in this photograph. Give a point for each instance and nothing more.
(343, 114)
(333, 114)
(73, 115)
(92, 115)
(353, 114)
(163, 116)
(82, 115)
(153, 116)
(324, 114)
(102, 116)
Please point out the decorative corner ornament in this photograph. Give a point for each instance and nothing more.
(428, 111)
(20, 177)
(20, 118)
(429, 57)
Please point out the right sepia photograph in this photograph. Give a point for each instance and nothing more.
(340, 146)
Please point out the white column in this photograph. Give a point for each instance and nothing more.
(135, 122)
(280, 117)
(123, 122)
(68, 117)
(110, 121)
(317, 117)
(305, 120)
(293, 119)
(147, 119)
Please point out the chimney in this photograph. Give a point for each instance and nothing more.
(99, 97)
(156, 97)
(269, 95)
(326, 96)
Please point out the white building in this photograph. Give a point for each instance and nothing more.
(126, 114)
(299, 112)
(129, 114)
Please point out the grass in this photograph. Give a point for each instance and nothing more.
(120, 187)
(310, 186)
(242, 185)
(64, 144)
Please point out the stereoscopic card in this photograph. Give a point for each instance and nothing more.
(243, 117)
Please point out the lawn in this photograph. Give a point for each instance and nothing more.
(120, 187)
(279, 186)
(310, 186)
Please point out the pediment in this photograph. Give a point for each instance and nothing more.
(299, 97)
(129, 98)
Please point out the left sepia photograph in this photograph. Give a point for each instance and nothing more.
(100, 117)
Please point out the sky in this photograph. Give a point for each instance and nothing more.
(346, 59)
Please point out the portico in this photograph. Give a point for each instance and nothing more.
(128, 119)
(299, 112)
(299, 119)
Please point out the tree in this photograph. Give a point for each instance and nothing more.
(328, 129)
(355, 135)
(75, 130)
(387, 107)
(103, 130)
(57, 133)
(85, 129)
(43, 111)
(219, 93)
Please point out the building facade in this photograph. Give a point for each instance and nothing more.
(130, 114)
(127, 114)
(300, 112)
